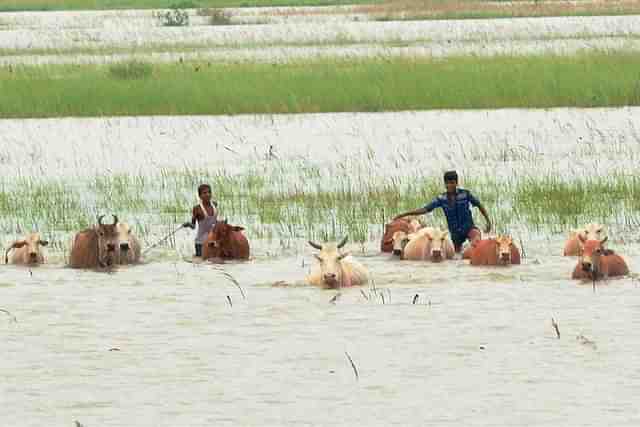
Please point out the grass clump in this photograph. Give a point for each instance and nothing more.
(216, 16)
(174, 17)
(132, 70)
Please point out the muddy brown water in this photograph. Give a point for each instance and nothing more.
(160, 344)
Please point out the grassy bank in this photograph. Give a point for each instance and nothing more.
(283, 201)
(378, 9)
(393, 10)
(324, 86)
(43, 5)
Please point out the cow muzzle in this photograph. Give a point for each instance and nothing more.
(330, 279)
(397, 252)
(124, 247)
(111, 247)
(436, 255)
(505, 257)
(586, 266)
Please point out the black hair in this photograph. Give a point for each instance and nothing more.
(450, 176)
(203, 187)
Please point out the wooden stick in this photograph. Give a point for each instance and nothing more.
(353, 365)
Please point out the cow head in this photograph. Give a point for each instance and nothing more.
(504, 244)
(330, 262)
(108, 242)
(219, 237)
(437, 242)
(32, 244)
(592, 232)
(124, 233)
(592, 251)
(400, 240)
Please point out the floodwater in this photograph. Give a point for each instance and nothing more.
(172, 342)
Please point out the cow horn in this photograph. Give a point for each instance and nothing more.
(315, 245)
(115, 219)
(100, 219)
(343, 242)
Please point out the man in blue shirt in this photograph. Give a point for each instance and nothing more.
(455, 203)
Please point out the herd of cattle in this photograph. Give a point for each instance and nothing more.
(408, 239)
(104, 246)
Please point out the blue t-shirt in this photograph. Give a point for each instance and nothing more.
(459, 217)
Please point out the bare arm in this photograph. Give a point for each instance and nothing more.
(484, 213)
(194, 217)
(420, 211)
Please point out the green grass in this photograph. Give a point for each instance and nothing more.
(285, 202)
(43, 5)
(323, 86)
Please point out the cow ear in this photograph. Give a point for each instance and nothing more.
(237, 228)
(581, 237)
(44, 242)
(604, 240)
(18, 244)
(343, 255)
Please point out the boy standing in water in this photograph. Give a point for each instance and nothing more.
(455, 203)
(206, 214)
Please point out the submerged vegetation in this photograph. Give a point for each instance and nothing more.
(284, 201)
(328, 85)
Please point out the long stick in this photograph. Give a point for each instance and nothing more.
(163, 239)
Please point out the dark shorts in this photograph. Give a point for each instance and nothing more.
(458, 238)
(198, 249)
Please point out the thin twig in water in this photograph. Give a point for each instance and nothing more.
(78, 424)
(415, 298)
(364, 295)
(382, 295)
(229, 299)
(232, 280)
(11, 316)
(555, 326)
(335, 298)
(353, 365)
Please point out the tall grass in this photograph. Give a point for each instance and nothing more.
(583, 80)
(283, 202)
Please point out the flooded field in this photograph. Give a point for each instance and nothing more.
(171, 342)
(105, 37)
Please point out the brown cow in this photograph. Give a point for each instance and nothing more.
(225, 241)
(129, 245)
(96, 247)
(336, 269)
(27, 251)
(498, 251)
(407, 224)
(573, 245)
(596, 262)
(430, 244)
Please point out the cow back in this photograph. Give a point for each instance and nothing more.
(484, 252)
(84, 250)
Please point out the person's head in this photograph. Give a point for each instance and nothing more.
(204, 192)
(451, 181)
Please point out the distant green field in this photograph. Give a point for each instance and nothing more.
(24, 5)
(330, 85)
